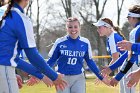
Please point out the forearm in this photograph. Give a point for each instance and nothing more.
(30, 69)
(119, 61)
(125, 68)
(91, 64)
(36, 59)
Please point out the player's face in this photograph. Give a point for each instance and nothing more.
(102, 30)
(131, 21)
(73, 29)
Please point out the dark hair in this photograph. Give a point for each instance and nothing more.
(107, 20)
(135, 9)
(10, 4)
(72, 19)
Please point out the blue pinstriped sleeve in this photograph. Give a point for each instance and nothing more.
(36, 59)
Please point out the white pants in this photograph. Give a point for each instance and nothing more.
(8, 81)
(76, 84)
(123, 82)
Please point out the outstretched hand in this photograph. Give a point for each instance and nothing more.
(133, 79)
(19, 81)
(113, 82)
(106, 81)
(105, 71)
(32, 81)
(60, 83)
(47, 81)
(124, 45)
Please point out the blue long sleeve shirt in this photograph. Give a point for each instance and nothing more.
(17, 31)
(70, 53)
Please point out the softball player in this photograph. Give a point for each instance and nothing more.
(16, 32)
(134, 20)
(106, 28)
(69, 52)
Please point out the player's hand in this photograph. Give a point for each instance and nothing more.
(133, 79)
(60, 83)
(113, 82)
(97, 81)
(47, 81)
(106, 81)
(32, 81)
(19, 81)
(105, 71)
(124, 45)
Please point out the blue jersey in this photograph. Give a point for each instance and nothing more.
(136, 48)
(16, 33)
(112, 48)
(16, 29)
(70, 54)
(112, 43)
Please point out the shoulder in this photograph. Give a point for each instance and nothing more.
(83, 39)
(61, 39)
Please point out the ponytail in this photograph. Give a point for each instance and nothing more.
(117, 29)
(10, 4)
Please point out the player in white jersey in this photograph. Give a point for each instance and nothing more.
(134, 37)
(106, 28)
(134, 20)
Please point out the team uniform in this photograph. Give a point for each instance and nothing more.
(136, 48)
(16, 34)
(134, 38)
(69, 54)
(112, 48)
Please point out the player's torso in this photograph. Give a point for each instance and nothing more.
(72, 54)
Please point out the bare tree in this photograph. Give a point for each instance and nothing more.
(67, 7)
(119, 9)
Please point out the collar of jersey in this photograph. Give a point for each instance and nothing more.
(73, 39)
(17, 6)
(137, 24)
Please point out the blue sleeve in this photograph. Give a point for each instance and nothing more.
(24, 30)
(136, 48)
(125, 67)
(119, 61)
(54, 55)
(35, 58)
(91, 64)
(23, 65)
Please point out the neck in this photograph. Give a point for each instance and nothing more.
(22, 5)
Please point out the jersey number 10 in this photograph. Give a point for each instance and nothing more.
(72, 61)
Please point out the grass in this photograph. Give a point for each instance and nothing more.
(90, 88)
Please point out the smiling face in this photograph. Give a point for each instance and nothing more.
(73, 29)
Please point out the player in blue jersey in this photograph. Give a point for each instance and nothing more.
(68, 53)
(134, 20)
(106, 28)
(16, 32)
